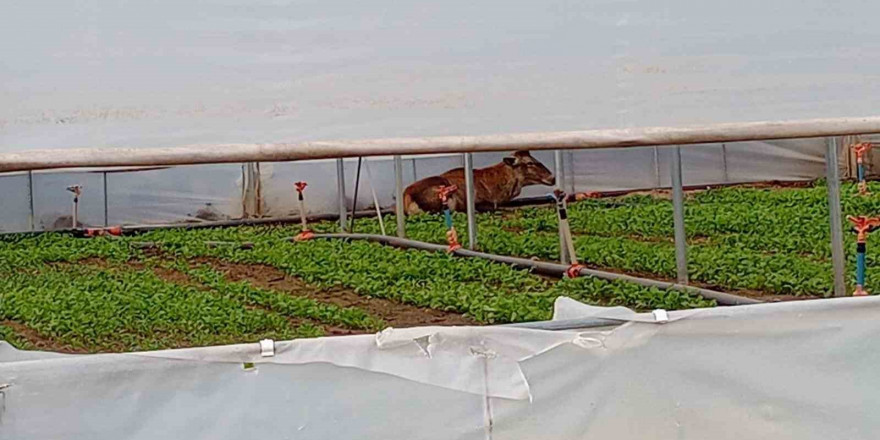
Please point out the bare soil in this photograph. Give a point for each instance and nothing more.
(395, 314)
(37, 341)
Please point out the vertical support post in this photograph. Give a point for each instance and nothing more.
(357, 186)
(398, 197)
(258, 190)
(678, 217)
(559, 171)
(570, 175)
(656, 167)
(470, 200)
(838, 260)
(340, 193)
(726, 175)
(245, 185)
(31, 214)
(106, 202)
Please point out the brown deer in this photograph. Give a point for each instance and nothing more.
(493, 185)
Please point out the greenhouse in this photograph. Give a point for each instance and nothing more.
(564, 220)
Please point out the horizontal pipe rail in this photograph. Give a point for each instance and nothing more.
(277, 152)
(542, 267)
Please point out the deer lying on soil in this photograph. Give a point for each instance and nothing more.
(493, 185)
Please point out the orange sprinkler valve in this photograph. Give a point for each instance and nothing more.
(305, 234)
(451, 236)
(115, 231)
(587, 195)
(862, 226)
(574, 270)
(860, 150)
(452, 240)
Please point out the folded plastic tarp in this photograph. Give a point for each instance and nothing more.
(798, 370)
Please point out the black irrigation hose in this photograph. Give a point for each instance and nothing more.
(546, 268)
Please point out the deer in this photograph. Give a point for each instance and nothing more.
(493, 185)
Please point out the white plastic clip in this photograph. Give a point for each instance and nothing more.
(267, 348)
(660, 315)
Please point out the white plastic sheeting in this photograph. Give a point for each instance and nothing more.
(165, 73)
(799, 370)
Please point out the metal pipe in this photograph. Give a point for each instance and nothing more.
(657, 167)
(678, 218)
(470, 198)
(357, 185)
(375, 197)
(564, 228)
(340, 194)
(243, 222)
(570, 173)
(244, 185)
(725, 174)
(31, 213)
(275, 152)
(106, 203)
(860, 268)
(554, 269)
(398, 197)
(301, 201)
(258, 189)
(558, 165)
(838, 258)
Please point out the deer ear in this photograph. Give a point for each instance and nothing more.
(510, 161)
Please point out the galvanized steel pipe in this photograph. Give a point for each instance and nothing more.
(546, 268)
(278, 152)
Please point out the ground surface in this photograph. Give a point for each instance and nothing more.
(772, 243)
(108, 294)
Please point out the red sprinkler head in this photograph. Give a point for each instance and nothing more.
(75, 189)
(115, 231)
(860, 150)
(300, 186)
(574, 270)
(445, 191)
(863, 225)
(559, 194)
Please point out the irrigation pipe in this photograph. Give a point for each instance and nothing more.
(547, 268)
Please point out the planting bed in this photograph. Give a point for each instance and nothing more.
(770, 243)
(109, 294)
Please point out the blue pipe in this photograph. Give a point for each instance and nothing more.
(448, 215)
(861, 172)
(860, 264)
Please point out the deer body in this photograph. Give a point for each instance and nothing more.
(493, 185)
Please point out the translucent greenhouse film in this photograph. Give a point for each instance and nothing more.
(39, 200)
